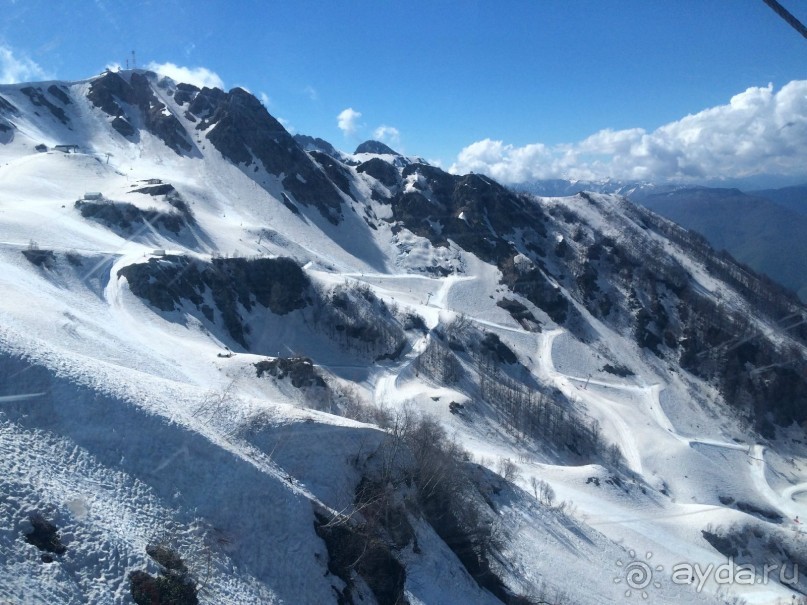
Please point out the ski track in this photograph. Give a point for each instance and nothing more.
(387, 389)
(219, 189)
(782, 501)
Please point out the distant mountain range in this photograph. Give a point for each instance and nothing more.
(765, 235)
(764, 229)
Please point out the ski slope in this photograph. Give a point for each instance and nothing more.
(127, 425)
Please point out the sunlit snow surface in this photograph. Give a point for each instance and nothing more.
(124, 426)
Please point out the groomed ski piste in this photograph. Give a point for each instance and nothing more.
(127, 425)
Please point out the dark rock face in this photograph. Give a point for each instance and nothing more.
(375, 147)
(61, 93)
(39, 99)
(490, 213)
(384, 172)
(110, 90)
(122, 217)
(237, 125)
(278, 284)
(40, 258)
(520, 313)
(290, 205)
(185, 93)
(491, 216)
(158, 121)
(243, 131)
(161, 189)
(300, 370)
(204, 102)
(170, 195)
(6, 127)
(6, 131)
(106, 91)
(7, 108)
(123, 126)
(336, 171)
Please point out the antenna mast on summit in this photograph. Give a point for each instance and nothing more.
(134, 63)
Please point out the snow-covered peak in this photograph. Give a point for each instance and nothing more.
(243, 361)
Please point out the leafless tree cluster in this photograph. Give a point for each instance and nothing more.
(535, 414)
(438, 362)
(543, 491)
(354, 317)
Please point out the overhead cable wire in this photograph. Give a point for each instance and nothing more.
(787, 16)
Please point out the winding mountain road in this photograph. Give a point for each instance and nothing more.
(784, 501)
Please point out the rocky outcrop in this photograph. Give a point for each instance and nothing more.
(384, 172)
(336, 171)
(239, 126)
(6, 127)
(61, 93)
(114, 95)
(277, 284)
(6, 131)
(7, 108)
(184, 93)
(38, 99)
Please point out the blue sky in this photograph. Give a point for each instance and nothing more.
(516, 89)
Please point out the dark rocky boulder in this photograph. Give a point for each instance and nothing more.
(160, 189)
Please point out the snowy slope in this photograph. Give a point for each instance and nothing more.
(128, 419)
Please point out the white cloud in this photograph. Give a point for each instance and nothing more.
(311, 92)
(265, 100)
(348, 121)
(18, 68)
(287, 125)
(198, 76)
(760, 131)
(387, 134)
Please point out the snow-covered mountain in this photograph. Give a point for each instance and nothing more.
(243, 367)
(636, 190)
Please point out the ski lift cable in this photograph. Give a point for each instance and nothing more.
(787, 16)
